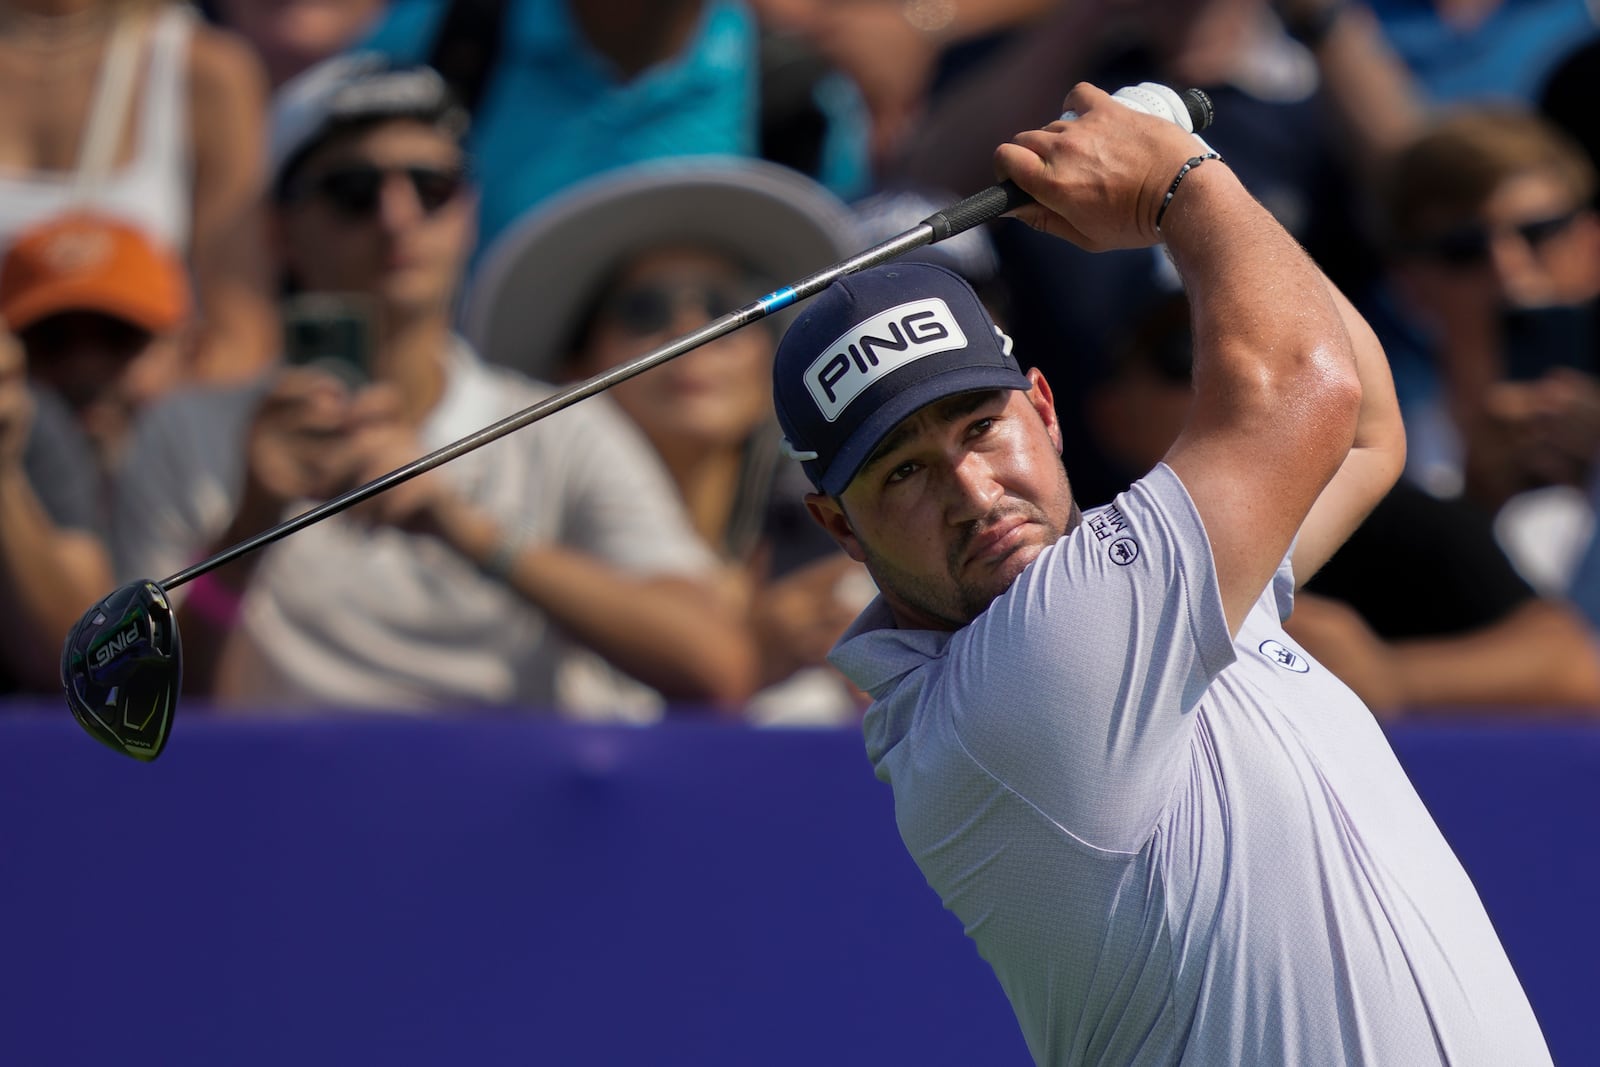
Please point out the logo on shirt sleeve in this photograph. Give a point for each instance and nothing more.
(1109, 524)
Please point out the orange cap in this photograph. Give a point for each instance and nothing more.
(85, 262)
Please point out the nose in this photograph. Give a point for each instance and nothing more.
(1517, 268)
(398, 203)
(690, 310)
(974, 490)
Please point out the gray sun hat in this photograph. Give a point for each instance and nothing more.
(540, 277)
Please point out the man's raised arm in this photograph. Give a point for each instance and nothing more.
(1278, 375)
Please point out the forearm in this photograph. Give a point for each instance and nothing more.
(1267, 324)
(1376, 458)
(239, 337)
(1373, 96)
(48, 578)
(1277, 396)
(229, 249)
(671, 634)
(675, 635)
(1540, 656)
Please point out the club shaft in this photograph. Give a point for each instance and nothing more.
(976, 209)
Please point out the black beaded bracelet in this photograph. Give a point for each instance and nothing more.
(1172, 189)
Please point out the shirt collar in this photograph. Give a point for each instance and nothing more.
(469, 402)
(874, 653)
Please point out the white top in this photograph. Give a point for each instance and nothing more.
(154, 190)
(344, 614)
(1172, 847)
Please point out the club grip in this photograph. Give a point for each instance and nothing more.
(1190, 109)
(976, 209)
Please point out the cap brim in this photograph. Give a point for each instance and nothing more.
(58, 299)
(539, 277)
(907, 400)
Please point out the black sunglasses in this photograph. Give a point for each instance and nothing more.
(356, 190)
(648, 308)
(1469, 244)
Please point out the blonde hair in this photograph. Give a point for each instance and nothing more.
(1463, 158)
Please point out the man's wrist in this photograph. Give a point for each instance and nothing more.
(1172, 190)
(488, 544)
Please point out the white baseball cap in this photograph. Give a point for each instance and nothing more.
(350, 89)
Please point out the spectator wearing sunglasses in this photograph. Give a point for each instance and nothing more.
(477, 584)
(633, 259)
(1494, 252)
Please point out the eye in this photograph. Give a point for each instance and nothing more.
(981, 427)
(900, 473)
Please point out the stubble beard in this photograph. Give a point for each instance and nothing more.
(963, 598)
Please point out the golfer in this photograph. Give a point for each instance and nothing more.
(1174, 836)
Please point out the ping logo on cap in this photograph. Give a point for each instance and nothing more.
(879, 346)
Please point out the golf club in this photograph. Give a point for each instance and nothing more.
(122, 665)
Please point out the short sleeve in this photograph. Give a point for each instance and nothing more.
(179, 485)
(1078, 688)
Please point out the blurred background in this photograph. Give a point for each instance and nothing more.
(539, 758)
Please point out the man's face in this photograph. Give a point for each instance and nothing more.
(384, 212)
(106, 369)
(956, 501)
(1529, 244)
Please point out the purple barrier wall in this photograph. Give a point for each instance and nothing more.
(510, 891)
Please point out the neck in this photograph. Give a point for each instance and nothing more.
(707, 477)
(413, 356)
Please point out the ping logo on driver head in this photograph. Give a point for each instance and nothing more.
(874, 348)
(115, 646)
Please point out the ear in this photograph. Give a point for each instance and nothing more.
(829, 514)
(1043, 401)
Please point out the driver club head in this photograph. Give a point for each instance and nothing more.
(121, 669)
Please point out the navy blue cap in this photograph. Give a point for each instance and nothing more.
(873, 348)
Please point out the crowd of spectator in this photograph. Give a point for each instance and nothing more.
(256, 252)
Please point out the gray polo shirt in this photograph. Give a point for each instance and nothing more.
(1173, 847)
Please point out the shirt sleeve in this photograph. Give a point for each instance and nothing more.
(1078, 688)
(180, 482)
